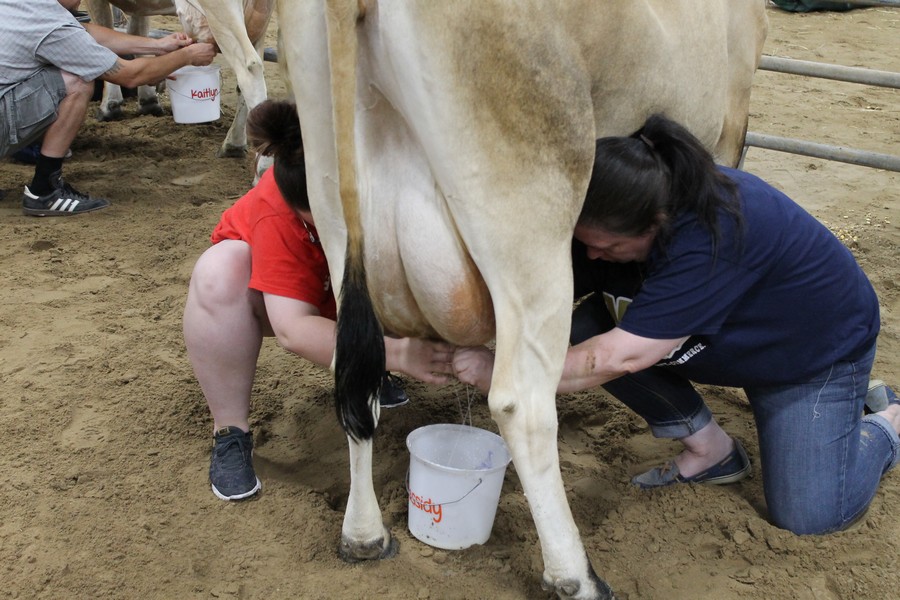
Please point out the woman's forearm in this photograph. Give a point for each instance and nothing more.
(587, 366)
(610, 355)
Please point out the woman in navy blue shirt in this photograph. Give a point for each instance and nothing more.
(693, 273)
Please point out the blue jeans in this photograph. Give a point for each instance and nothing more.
(821, 460)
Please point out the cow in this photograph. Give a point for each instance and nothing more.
(448, 148)
(237, 27)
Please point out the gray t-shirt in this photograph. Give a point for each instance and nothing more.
(37, 33)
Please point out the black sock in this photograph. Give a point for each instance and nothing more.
(44, 170)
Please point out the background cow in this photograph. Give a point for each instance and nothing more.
(237, 27)
(448, 150)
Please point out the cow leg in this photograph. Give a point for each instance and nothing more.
(531, 290)
(532, 442)
(228, 26)
(110, 108)
(235, 144)
(522, 402)
(148, 101)
(363, 535)
(111, 103)
(536, 186)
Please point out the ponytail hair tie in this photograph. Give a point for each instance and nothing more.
(647, 141)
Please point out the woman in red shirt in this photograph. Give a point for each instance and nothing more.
(266, 275)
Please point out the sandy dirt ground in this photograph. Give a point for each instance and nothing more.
(106, 436)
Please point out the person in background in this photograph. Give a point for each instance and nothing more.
(266, 275)
(705, 274)
(48, 63)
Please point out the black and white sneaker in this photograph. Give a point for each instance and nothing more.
(63, 201)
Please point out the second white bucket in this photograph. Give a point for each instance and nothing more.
(455, 476)
(194, 94)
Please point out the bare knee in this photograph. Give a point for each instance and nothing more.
(221, 275)
(76, 87)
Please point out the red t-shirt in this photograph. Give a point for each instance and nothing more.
(284, 261)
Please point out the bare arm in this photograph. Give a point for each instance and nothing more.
(610, 355)
(123, 43)
(144, 71)
(302, 330)
(591, 363)
(168, 54)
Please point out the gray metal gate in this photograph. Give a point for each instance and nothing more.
(805, 68)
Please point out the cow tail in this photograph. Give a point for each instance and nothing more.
(359, 360)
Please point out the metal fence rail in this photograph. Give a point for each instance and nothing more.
(807, 68)
(824, 151)
(864, 3)
(886, 79)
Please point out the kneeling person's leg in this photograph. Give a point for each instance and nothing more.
(821, 461)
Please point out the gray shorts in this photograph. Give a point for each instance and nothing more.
(29, 108)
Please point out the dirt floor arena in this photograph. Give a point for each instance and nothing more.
(106, 437)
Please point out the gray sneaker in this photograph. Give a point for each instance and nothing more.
(231, 471)
(63, 201)
(879, 396)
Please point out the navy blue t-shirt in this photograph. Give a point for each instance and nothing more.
(777, 304)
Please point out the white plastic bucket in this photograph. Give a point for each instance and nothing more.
(455, 476)
(194, 94)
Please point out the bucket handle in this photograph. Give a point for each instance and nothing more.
(409, 491)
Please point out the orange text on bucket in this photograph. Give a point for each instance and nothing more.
(426, 506)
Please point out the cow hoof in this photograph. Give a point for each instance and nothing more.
(568, 589)
(151, 108)
(353, 552)
(112, 113)
(229, 151)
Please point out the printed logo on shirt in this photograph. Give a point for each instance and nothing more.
(686, 356)
(616, 305)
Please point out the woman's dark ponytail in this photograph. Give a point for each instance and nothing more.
(696, 184)
(273, 128)
(653, 176)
